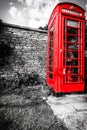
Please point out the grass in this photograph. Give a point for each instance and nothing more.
(23, 105)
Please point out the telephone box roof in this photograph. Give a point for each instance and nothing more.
(61, 3)
(81, 3)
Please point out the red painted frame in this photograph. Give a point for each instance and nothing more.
(57, 75)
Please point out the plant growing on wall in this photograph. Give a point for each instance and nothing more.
(5, 52)
(5, 47)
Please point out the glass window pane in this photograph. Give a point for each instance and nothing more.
(51, 55)
(72, 38)
(72, 54)
(72, 30)
(50, 68)
(72, 23)
(50, 75)
(72, 46)
(50, 61)
(71, 62)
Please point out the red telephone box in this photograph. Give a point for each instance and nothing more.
(65, 48)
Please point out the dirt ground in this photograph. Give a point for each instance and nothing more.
(24, 107)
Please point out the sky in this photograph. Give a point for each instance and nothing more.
(30, 13)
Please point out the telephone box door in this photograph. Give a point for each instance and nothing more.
(73, 50)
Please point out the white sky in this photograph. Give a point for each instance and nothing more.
(31, 13)
(35, 13)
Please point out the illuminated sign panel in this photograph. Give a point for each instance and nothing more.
(71, 12)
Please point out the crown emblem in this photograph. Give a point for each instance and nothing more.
(71, 7)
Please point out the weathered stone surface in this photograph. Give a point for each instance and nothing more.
(29, 50)
(72, 109)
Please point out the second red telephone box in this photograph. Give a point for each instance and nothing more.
(65, 48)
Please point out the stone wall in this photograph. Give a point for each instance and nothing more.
(23, 50)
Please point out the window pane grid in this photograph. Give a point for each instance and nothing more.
(72, 56)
